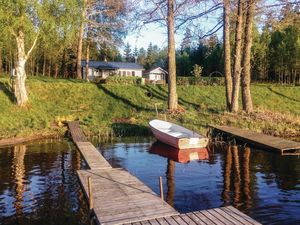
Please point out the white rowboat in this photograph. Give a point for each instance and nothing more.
(177, 136)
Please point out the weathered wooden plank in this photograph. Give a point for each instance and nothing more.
(205, 213)
(227, 216)
(162, 221)
(219, 217)
(76, 132)
(179, 220)
(244, 216)
(238, 216)
(203, 220)
(92, 156)
(120, 197)
(187, 219)
(261, 140)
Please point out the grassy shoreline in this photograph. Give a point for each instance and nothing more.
(124, 110)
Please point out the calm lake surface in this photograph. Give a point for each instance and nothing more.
(264, 185)
(39, 184)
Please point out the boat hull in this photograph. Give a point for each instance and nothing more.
(192, 141)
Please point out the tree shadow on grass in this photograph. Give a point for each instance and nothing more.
(162, 92)
(7, 91)
(282, 95)
(128, 129)
(124, 100)
(152, 93)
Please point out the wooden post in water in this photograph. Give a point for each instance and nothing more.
(90, 193)
(156, 110)
(161, 188)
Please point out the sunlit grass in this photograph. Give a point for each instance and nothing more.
(126, 109)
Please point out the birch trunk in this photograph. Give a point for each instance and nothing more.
(237, 59)
(172, 95)
(227, 53)
(246, 73)
(80, 38)
(20, 76)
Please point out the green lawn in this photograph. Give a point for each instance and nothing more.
(125, 109)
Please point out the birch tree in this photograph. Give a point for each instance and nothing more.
(20, 19)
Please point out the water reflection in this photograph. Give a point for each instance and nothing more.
(18, 171)
(39, 185)
(238, 175)
(182, 156)
(264, 185)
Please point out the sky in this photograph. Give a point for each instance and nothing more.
(157, 35)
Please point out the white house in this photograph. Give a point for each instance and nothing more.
(155, 75)
(101, 69)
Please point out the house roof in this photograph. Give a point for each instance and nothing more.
(113, 65)
(154, 68)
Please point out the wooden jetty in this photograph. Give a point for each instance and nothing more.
(280, 145)
(121, 198)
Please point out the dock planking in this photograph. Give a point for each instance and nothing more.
(220, 216)
(280, 145)
(121, 198)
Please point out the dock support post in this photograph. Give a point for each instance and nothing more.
(161, 188)
(90, 193)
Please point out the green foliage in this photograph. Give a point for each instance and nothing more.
(200, 81)
(121, 80)
(197, 71)
(120, 110)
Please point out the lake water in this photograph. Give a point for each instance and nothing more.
(262, 184)
(38, 185)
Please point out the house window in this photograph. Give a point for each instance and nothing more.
(120, 73)
(133, 73)
(124, 73)
(128, 73)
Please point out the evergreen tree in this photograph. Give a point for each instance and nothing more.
(127, 53)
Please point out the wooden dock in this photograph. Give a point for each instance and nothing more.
(218, 216)
(280, 145)
(121, 198)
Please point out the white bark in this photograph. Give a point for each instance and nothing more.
(20, 76)
(20, 91)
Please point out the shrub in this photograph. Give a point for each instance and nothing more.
(122, 80)
(200, 81)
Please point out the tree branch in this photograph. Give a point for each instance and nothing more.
(33, 45)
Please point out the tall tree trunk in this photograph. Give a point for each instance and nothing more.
(246, 73)
(20, 76)
(1, 64)
(87, 57)
(49, 68)
(237, 59)
(172, 95)
(80, 38)
(55, 70)
(227, 53)
(44, 64)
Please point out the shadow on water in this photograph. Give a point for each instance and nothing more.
(124, 100)
(7, 91)
(282, 95)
